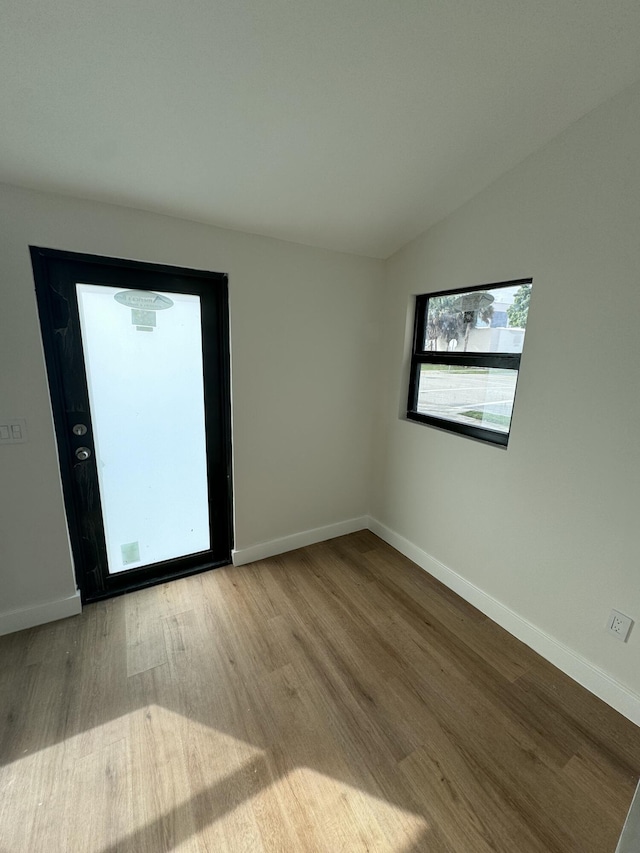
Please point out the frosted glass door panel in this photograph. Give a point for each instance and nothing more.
(143, 359)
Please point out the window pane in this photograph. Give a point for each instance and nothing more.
(145, 378)
(475, 396)
(491, 320)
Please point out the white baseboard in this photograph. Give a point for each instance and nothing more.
(591, 677)
(241, 556)
(29, 617)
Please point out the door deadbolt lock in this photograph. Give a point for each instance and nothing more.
(79, 429)
(83, 453)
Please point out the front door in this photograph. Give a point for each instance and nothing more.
(138, 363)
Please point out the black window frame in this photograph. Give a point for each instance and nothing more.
(420, 356)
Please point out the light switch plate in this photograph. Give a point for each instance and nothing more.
(13, 430)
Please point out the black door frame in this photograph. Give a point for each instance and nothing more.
(49, 266)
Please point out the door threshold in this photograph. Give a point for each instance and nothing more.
(134, 586)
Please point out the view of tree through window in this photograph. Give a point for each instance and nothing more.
(466, 358)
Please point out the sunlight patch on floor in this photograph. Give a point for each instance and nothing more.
(157, 780)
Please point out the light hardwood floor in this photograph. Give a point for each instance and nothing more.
(333, 699)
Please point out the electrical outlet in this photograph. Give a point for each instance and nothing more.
(619, 625)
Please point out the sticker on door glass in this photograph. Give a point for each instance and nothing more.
(142, 318)
(130, 553)
(143, 304)
(144, 299)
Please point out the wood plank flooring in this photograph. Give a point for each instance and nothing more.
(333, 699)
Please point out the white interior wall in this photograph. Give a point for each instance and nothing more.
(303, 326)
(546, 528)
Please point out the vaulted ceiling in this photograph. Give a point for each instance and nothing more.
(348, 124)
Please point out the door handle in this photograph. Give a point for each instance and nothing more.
(83, 453)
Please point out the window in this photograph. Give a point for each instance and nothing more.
(466, 358)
